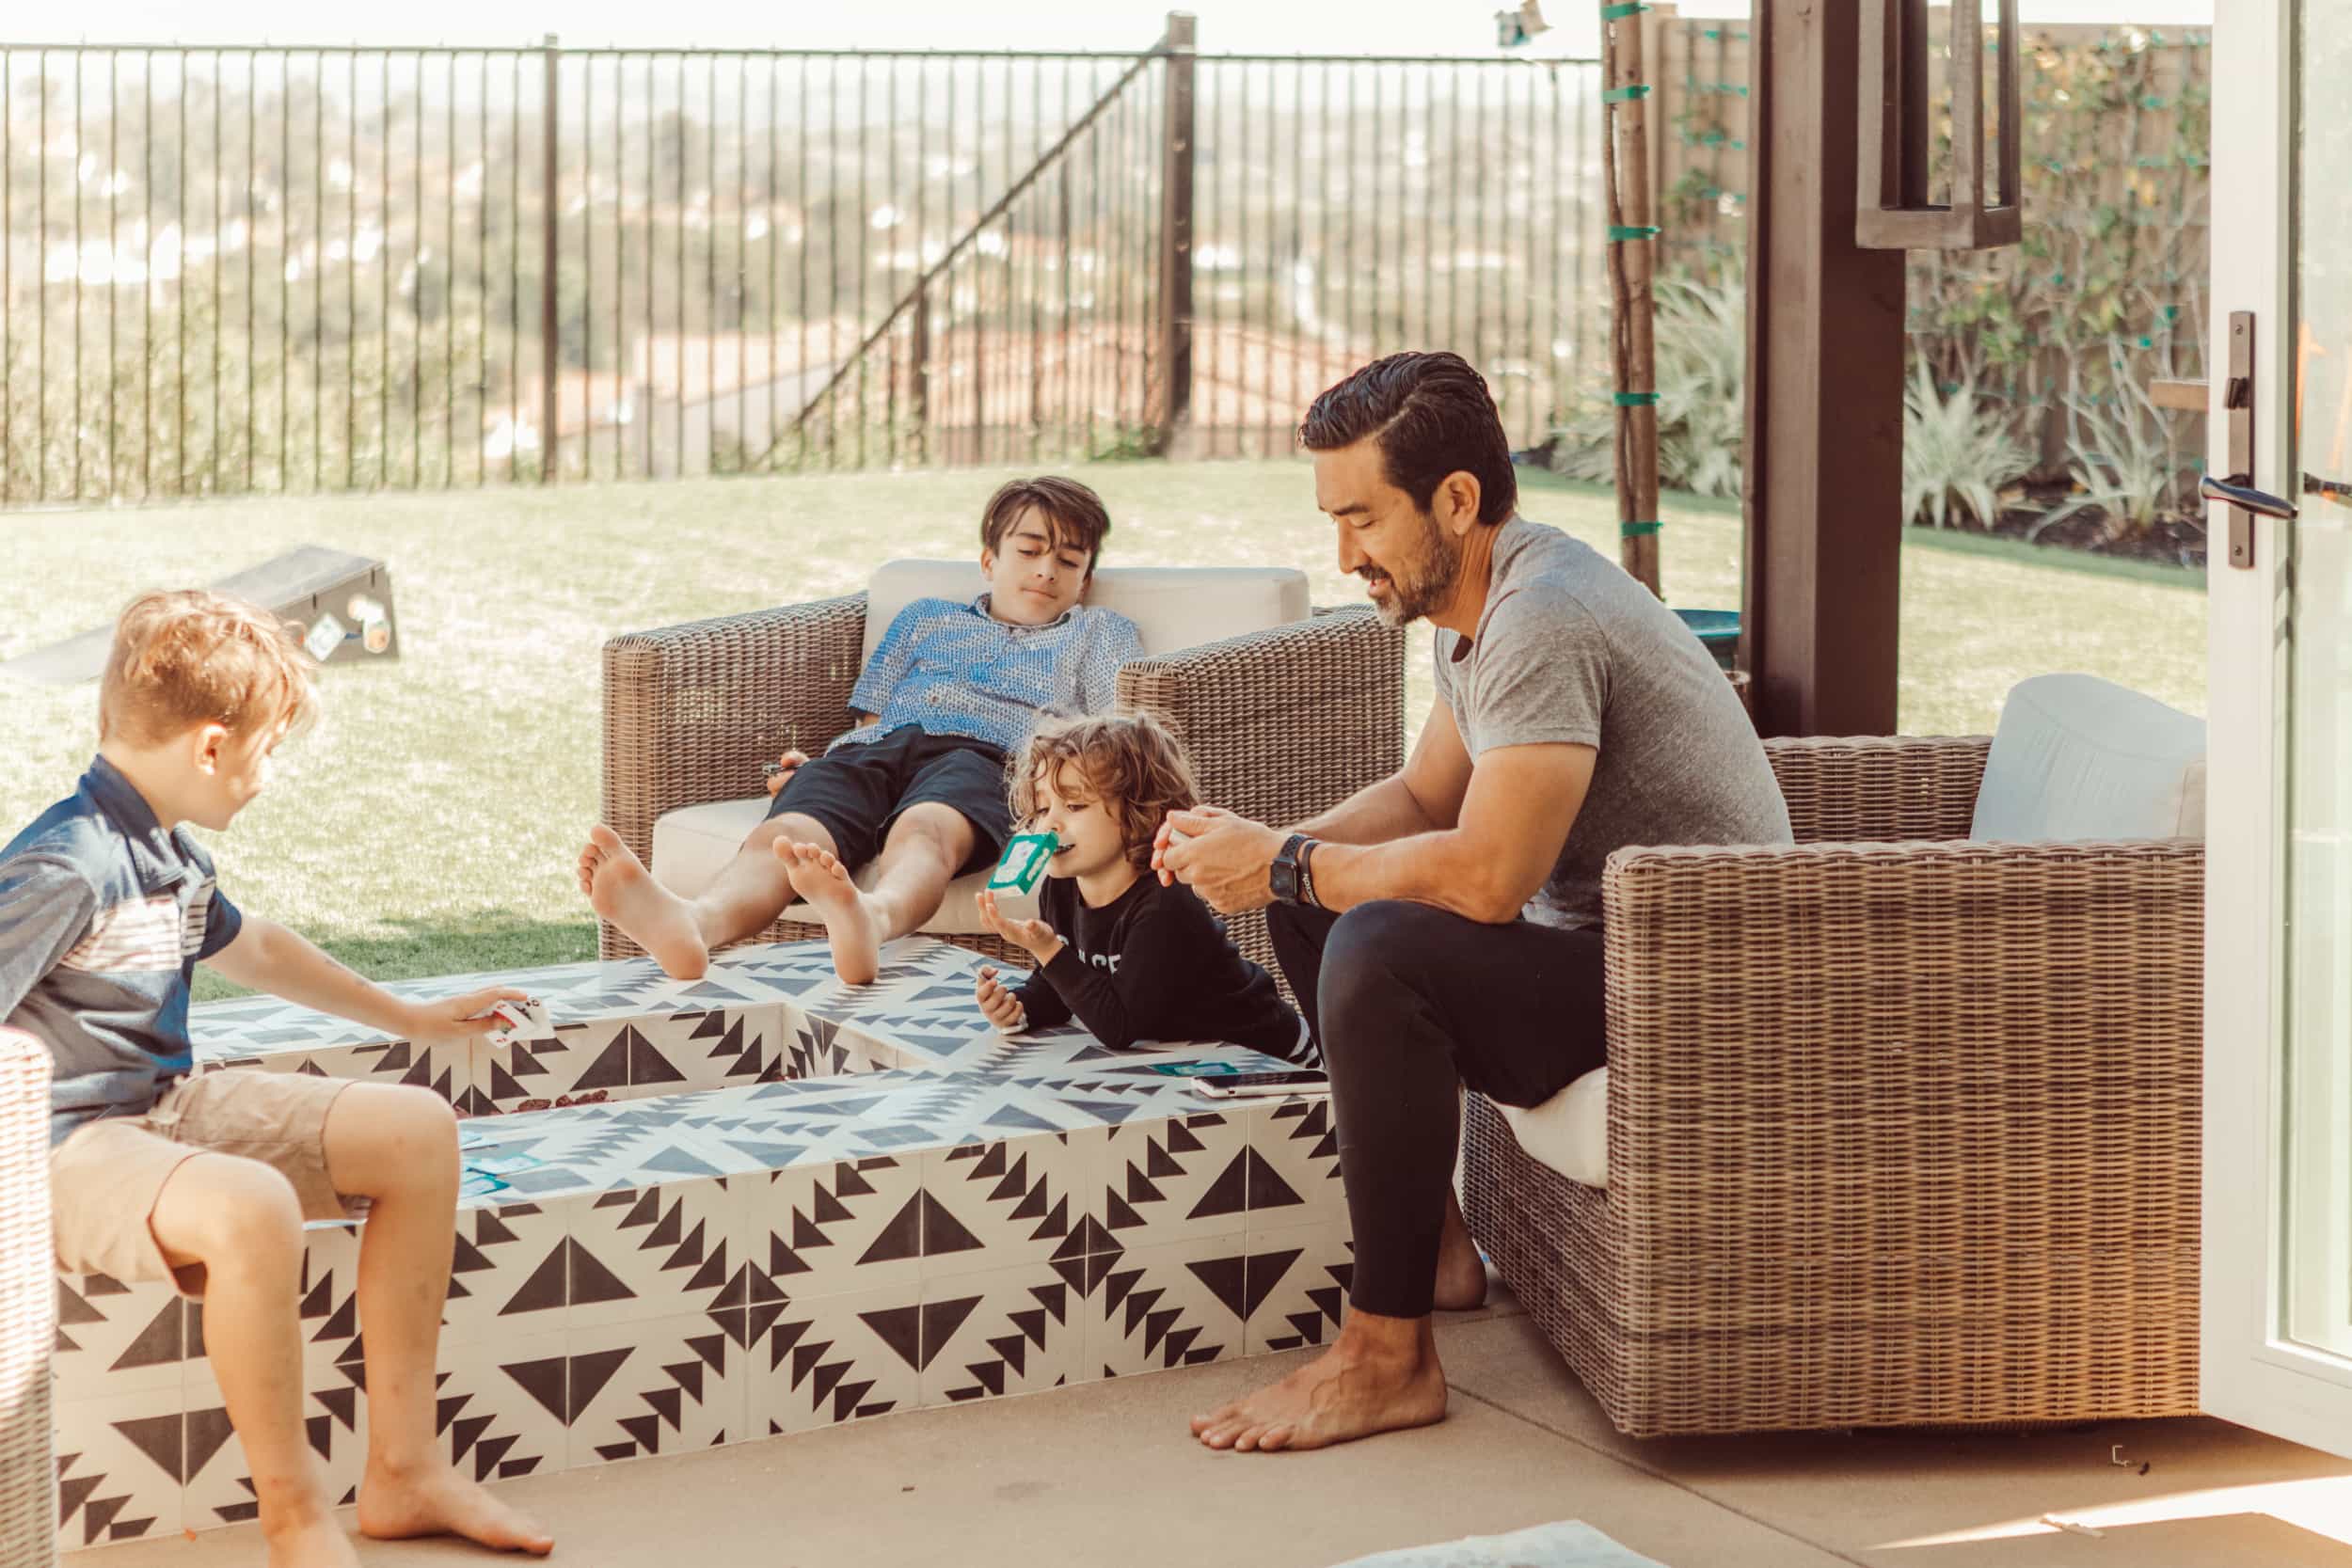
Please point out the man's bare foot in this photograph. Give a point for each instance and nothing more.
(314, 1541)
(439, 1501)
(625, 892)
(853, 926)
(1355, 1389)
(1461, 1272)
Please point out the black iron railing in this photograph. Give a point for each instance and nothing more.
(294, 270)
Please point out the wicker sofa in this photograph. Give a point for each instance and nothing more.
(1280, 723)
(1902, 1129)
(28, 1307)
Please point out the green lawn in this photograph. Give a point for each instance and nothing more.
(429, 824)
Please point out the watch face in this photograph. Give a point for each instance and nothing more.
(1286, 881)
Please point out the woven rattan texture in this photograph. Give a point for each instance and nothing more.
(1280, 724)
(28, 1307)
(1900, 1133)
(1878, 788)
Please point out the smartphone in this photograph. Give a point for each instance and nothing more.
(1234, 1085)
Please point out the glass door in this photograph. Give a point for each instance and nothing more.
(2277, 1223)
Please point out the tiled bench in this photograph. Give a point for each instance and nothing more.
(890, 1209)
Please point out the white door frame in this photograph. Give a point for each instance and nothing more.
(2249, 1372)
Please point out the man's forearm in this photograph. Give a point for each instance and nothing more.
(1438, 868)
(1377, 814)
(269, 957)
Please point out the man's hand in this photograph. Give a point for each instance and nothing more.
(459, 1020)
(787, 765)
(1227, 860)
(999, 1006)
(1033, 937)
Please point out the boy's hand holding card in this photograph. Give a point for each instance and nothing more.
(522, 1018)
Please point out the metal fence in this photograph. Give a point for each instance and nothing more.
(276, 270)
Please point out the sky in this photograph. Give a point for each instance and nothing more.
(1285, 26)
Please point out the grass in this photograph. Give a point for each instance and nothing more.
(429, 824)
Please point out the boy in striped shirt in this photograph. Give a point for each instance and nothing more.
(106, 907)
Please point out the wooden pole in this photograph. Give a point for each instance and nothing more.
(1822, 462)
(1632, 260)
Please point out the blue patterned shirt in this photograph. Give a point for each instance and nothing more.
(954, 669)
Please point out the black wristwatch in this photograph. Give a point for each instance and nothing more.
(1289, 873)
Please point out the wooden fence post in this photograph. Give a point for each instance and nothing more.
(1176, 169)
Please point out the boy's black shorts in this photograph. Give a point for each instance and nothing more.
(858, 793)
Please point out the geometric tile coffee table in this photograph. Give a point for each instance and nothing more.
(796, 1204)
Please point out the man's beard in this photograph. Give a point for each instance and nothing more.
(1420, 587)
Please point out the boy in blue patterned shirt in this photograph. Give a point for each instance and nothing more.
(919, 780)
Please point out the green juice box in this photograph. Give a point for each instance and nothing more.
(1020, 875)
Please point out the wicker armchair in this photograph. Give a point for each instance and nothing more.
(1903, 1130)
(28, 1307)
(1280, 724)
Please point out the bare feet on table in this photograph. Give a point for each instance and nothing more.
(442, 1502)
(316, 1541)
(1337, 1398)
(853, 926)
(625, 892)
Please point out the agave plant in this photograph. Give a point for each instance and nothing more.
(1958, 453)
(1701, 338)
(2122, 455)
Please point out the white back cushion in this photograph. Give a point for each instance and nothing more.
(2077, 758)
(1173, 607)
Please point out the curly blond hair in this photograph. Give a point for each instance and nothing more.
(186, 656)
(1131, 760)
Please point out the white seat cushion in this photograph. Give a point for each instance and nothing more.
(1569, 1133)
(2076, 757)
(1172, 607)
(691, 845)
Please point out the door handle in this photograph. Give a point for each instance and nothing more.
(2235, 491)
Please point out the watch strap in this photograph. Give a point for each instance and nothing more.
(1287, 861)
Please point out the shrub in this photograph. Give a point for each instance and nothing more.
(1701, 337)
(1958, 453)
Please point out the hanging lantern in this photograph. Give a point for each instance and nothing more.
(1893, 210)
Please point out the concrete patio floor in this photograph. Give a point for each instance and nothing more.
(1107, 1474)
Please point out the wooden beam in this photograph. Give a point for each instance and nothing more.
(1824, 454)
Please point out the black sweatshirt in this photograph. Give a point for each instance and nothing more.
(1153, 964)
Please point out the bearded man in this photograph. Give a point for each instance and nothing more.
(1442, 927)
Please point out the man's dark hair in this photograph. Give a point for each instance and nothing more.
(1433, 416)
(1075, 515)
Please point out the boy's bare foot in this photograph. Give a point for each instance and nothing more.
(625, 892)
(314, 1541)
(853, 926)
(1347, 1393)
(439, 1501)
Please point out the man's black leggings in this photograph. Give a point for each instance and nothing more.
(1408, 1002)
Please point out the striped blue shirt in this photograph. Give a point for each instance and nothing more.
(103, 916)
(954, 668)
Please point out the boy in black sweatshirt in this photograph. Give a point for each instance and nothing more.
(1132, 960)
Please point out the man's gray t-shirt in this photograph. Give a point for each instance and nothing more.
(1570, 649)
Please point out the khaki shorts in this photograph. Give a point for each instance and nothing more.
(104, 1179)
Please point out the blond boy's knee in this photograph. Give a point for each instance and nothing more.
(389, 1135)
(230, 1211)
